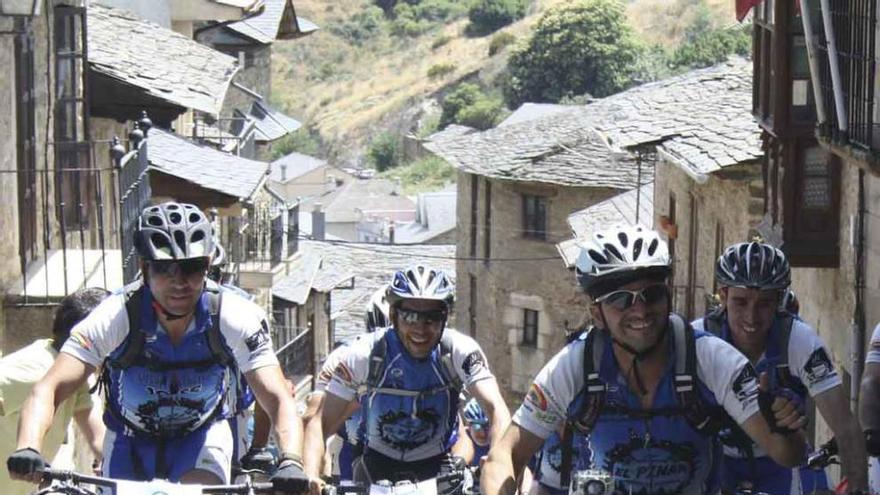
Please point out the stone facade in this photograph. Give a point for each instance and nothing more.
(520, 274)
(718, 206)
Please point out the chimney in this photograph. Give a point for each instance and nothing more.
(318, 222)
(283, 172)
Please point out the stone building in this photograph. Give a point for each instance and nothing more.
(517, 184)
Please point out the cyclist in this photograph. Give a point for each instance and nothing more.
(410, 376)
(169, 347)
(753, 277)
(869, 408)
(473, 434)
(647, 390)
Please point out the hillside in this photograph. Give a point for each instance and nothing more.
(350, 88)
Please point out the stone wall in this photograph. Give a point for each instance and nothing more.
(728, 207)
(521, 274)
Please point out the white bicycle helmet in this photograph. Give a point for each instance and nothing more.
(377, 314)
(616, 256)
(421, 282)
(753, 265)
(174, 231)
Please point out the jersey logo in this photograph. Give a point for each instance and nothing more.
(745, 385)
(536, 396)
(343, 374)
(404, 431)
(652, 467)
(819, 366)
(258, 339)
(81, 339)
(473, 363)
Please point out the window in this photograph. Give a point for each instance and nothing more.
(535, 217)
(530, 328)
(74, 177)
(811, 212)
(487, 223)
(474, 192)
(26, 151)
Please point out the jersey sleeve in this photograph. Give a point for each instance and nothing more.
(352, 367)
(874, 349)
(468, 359)
(544, 408)
(809, 359)
(98, 334)
(246, 331)
(327, 368)
(729, 376)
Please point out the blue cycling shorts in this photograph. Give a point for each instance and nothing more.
(770, 477)
(210, 448)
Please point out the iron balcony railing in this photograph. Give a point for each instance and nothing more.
(77, 217)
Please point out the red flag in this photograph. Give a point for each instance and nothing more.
(743, 7)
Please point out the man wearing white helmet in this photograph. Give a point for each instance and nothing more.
(754, 318)
(649, 391)
(170, 347)
(408, 377)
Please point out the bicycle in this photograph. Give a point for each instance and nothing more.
(404, 487)
(63, 482)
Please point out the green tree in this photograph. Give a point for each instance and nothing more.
(465, 95)
(488, 16)
(585, 46)
(711, 46)
(384, 152)
(362, 26)
(468, 105)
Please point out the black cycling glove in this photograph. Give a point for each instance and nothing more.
(765, 403)
(25, 462)
(290, 478)
(259, 459)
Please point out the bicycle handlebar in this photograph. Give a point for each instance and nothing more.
(77, 478)
(823, 457)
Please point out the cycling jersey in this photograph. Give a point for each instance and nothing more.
(811, 373)
(646, 451)
(411, 413)
(158, 394)
(548, 469)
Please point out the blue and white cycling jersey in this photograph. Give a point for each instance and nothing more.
(548, 471)
(412, 413)
(645, 453)
(812, 372)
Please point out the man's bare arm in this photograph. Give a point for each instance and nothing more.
(834, 408)
(489, 396)
(507, 458)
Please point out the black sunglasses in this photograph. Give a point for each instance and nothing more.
(412, 317)
(624, 299)
(185, 267)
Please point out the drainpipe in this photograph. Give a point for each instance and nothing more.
(858, 330)
(836, 83)
(814, 62)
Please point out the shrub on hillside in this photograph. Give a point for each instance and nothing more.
(440, 41)
(488, 16)
(711, 46)
(440, 70)
(583, 46)
(468, 105)
(499, 42)
(361, 26)
(384, 152)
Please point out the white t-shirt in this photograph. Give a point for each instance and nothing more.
(243, 326)
(874, 349)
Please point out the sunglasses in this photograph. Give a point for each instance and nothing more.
(624, 299)
(184, 267)
(412, 317)
(478, 426)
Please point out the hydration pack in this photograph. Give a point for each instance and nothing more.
(447, 368)
(702, 417)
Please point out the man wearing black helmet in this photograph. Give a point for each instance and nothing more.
(169, 346)
(754, 278)
(647, 391)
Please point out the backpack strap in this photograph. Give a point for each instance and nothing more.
(377, 362)
(447, 368)
(219, 351)
(714, 320)
(593, 400)
(134, 342)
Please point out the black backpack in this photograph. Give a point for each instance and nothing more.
(707, 420)
(447, 368)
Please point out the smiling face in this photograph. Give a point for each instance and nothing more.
(420, 337)
(750, 314)
(638, 326)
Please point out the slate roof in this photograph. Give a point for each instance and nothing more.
(270, 123)
(702, 120)
(435, 214)
(297, 165)
(371, 265)
(531, 111)
(165, 64)
(272, 24)
(295, 287)
(371, 195)
(205, 166)
(615, 210)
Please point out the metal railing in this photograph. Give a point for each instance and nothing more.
(854, 23)
(236, 135)
(78, 215)
(297, 356)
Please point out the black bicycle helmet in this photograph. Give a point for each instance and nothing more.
(753, 265)
(174, 231)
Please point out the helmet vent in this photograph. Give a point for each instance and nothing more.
(623, 239)
(613, 251)
(637, 249)
(597, 257)
(653, 247)
(180, 240)
(175, 218)
(194, 217)
(155, 221)
(197, 236)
